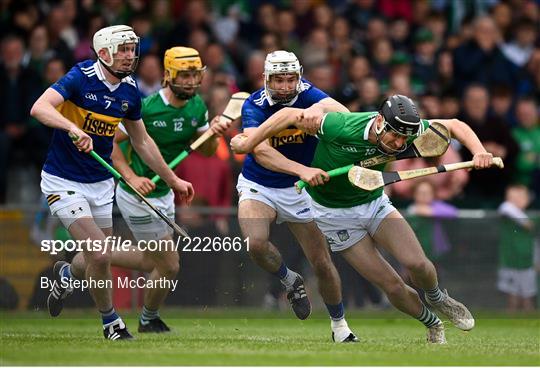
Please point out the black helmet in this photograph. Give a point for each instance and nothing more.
(400, 115)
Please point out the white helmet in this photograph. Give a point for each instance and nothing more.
(110, 38)
(281, 62)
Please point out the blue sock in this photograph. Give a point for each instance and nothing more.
(282, 272)
(337, 311)
(109, 316)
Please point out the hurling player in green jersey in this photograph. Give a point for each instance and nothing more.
(356, 222)
(174, 116)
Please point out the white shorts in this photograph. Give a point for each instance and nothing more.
(288, 204)
(344, 227)
(143, 222)
(517, 282)
(71, 200)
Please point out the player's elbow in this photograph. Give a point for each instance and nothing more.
(36, 109)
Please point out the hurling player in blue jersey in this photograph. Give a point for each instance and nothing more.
(266, 188)
(88, 103)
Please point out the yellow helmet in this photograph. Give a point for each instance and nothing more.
(182, 58)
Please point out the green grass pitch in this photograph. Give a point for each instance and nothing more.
(238, 337)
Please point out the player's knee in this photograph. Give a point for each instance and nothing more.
(99, 261)
(420, 266)
(170, 268)
(323, 267)
(257, 245)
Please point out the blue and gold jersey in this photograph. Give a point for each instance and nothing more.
(96, 107)
(293, 143)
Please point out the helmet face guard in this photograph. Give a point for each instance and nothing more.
(278, 63)
(186, 62)
(400, 119)
(114, 39)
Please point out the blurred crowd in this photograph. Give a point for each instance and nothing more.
(476, 60)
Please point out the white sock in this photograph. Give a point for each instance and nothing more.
(339, 323)
(289, 279)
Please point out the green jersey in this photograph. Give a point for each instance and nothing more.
(528, 159)
(516, 245)
(172, 128)
(343, 140)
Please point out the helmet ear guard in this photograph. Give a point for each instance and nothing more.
(110, 38)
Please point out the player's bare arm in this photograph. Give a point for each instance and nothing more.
(218, 128)
(44, 110)
(311, 116)
(145, 146)
(466, 136)
(272, 159)
(120, 162)
(246, 141)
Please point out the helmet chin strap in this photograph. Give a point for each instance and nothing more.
(383, 148)
(117, 74)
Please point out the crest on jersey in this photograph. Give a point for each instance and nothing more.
(343, 235)
(125, 106)
(194, 122)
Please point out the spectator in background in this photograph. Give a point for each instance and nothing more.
(323, 17)
(430, 104)
(358, 70)
(424, 66)
(162, 20)
(19, 88)
(24, 17)
(399, 34)
(83, 50)
(53, 71)
(449, 105)
(142, 26)
(381, 55)
(57, 23)
(517, 277)
(149, 75)
(316, 50)
(263, 23)
(38, 51)
(370, 95)
(501, 14)
(307, 18)
(359, 12)
(520, 48)
(480, 60)
(218, 98)
(216, 59)
(376, 31)
(342, 45)
(488, 185)
(269, 43)
(527, 135)
(436, 23)
(322, 75)
(286, 31)
(253, 76)
(425, 214)
(196, 15)
(501, 105)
